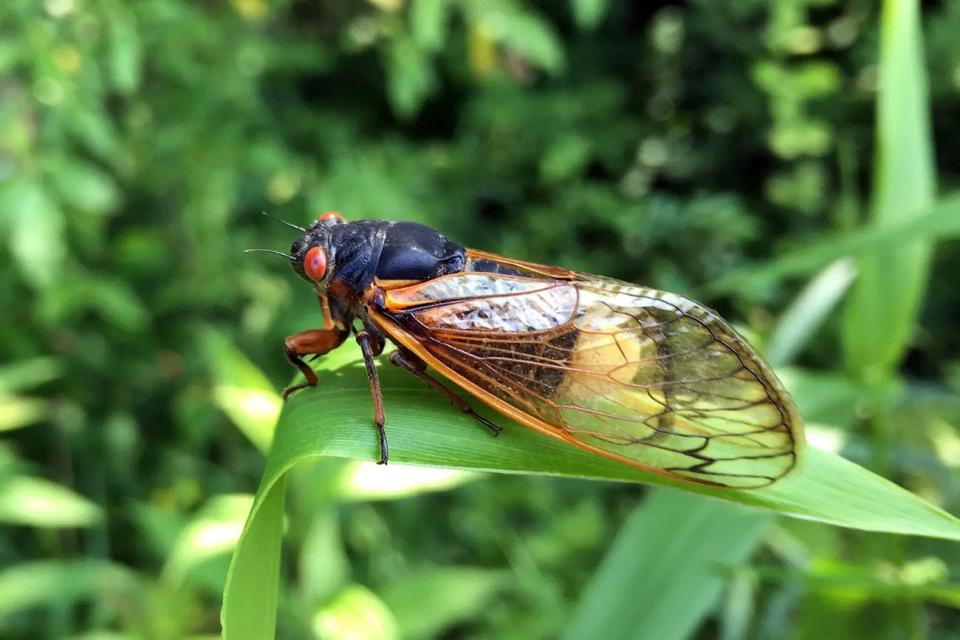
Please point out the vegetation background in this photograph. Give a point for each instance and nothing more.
(665, 143)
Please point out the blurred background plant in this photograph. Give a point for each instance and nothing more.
(676, 144)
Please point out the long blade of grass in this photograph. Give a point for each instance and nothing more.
(883, 304)
(936, 222)
(808, 311)
(250, 599)
(663, 574)
(334, 420)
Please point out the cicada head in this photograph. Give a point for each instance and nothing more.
(311, 255)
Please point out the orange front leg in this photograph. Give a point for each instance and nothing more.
(310, 342)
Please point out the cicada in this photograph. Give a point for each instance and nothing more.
(644, 377)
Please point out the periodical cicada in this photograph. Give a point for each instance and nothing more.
(645, 377)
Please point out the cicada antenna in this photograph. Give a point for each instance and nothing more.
(289, 224)
(279, 253)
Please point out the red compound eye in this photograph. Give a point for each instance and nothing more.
(332, 216)
(315, 264)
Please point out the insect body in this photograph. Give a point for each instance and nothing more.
(645, 377)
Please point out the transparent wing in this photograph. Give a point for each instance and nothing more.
(643, 376)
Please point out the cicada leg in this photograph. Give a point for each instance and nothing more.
(371, 345)
(306, 343)
(409, 361)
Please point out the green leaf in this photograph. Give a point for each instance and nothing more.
(82, 185)
(36, 233)
(410, 76)
(428, 23)
(663, 573)
(940, 221)
(54, 583)
(356, 612)
(126, 48)
(589, 13)
(524, 32)
(455, 594)
(213, 531)
(334, 419)
(808, 311)
(41, 503)
(323, 563)
(10, 55)
(253, 581)
(18, 411)
(883, 304)
(28, 373)
(241, 390)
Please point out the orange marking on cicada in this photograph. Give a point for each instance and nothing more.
(331, 216)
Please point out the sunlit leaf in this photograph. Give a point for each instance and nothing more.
(82, 185)
(53, 583)
(38, 502)
(523, 32)
(213, 531)
(356, 612)
(126, 49)
(241, 390)
(36, 230)
(17, 411)
(428, 22)
(366, 481)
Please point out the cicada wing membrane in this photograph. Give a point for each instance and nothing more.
(648, 378)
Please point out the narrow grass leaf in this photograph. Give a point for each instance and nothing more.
(20, 411)
(39, 502)
(664, 571)
(250, 600)
(937, 222)
(334, 419)
(28, 373)
(53, 583)
(808, 311)
(213, 531)
(241, 390)
(883, 304)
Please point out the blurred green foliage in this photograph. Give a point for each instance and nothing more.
(669, 143)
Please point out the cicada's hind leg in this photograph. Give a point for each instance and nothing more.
(371, 345)
(409, 361)
(306, 343)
